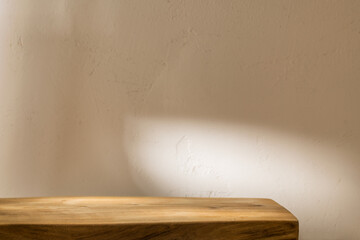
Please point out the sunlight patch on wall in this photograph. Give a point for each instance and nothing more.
(184, 157)
(177, 156)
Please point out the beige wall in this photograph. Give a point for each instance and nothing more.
(185, 98)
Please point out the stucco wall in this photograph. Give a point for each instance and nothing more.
(185, 98)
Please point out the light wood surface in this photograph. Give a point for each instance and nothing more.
(145, 218)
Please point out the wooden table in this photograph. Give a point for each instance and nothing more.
(145, 218)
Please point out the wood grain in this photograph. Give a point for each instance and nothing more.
(145, 218)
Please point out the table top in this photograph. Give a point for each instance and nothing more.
(137, 210)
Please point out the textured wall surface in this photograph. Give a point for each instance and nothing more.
(256, 98)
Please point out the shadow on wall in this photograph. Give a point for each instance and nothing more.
(219, 99)
(68, 118)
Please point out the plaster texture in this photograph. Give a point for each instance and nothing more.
(208, 98)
